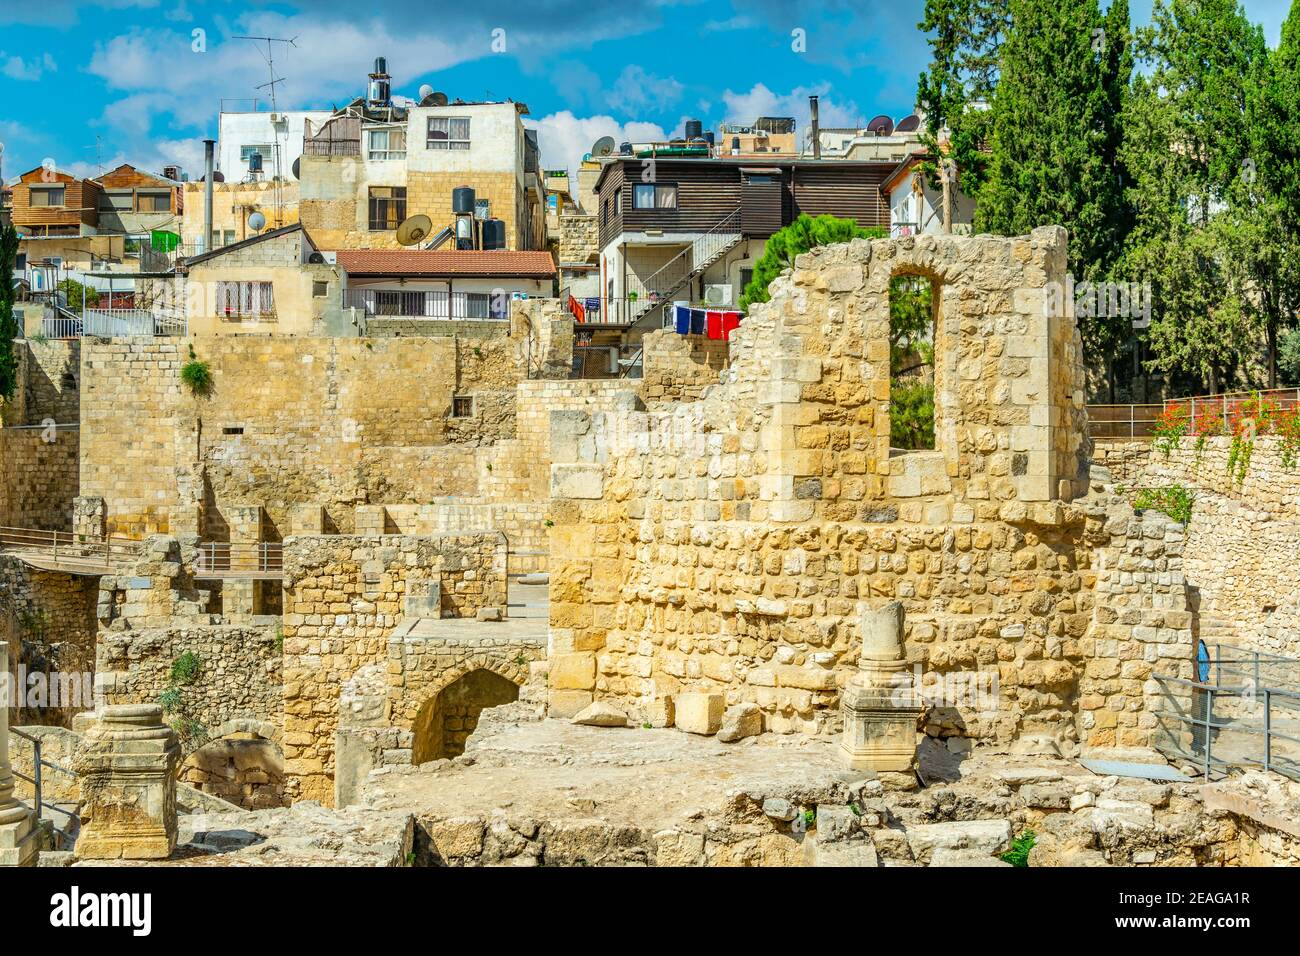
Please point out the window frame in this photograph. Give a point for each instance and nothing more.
(47, 191)
(247, 150)
(394, 201)
(448, 141)
(656, 188)
(388, 153)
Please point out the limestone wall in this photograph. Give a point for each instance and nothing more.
(48, 620)
(343, 596)
(238, 676)
(39, 441)
(678, 368)
(38, 477)
(1242, 539)
(726, 544)
(335, 421)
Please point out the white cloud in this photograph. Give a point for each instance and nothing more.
(564, 138)
(636, 90)
(16, 68)
(744, 108)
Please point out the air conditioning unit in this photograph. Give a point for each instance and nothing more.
(331, 257)
(278, 118)
(717, 294)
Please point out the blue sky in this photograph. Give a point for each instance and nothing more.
(132, 81)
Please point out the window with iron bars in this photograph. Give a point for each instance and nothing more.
(240, 300)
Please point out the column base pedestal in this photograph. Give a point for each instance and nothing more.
(18, 844)
(880, 729)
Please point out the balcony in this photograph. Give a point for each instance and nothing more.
(432, 306)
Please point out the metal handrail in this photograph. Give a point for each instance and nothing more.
(69, 547)
(702, 252)
(1204, 728)
(253, 559)
(37, 782)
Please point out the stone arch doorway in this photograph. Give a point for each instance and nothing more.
(447, 718)
(242, 764)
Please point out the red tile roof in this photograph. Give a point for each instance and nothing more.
(460, 262)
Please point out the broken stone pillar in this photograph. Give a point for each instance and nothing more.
(880, 703)
(17, 843)
(128, 784)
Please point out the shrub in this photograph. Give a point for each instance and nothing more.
(185, 669)
(196, 375)
(1018, 855)
(785, 244)
(1174, 501)
(1170, 428)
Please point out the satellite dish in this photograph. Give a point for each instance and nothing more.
(881, 126)
(425, 90)
(297, 168)
(908, 124)
(413, 230)
(603, 146)
(432, 98)
(256, 222)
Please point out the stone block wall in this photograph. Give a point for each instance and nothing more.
(578, 239)
(726, 544)
(48, 620)
(38, 476)
(39, 439)
(335, 421)
(678, 368)
(238, 677)
(1239, 557)
(343, 596)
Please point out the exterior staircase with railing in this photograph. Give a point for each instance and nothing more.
(706, 249)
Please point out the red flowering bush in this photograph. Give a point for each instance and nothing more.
(1170, 428)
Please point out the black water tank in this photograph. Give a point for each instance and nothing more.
(494, 234)
(462, 200)
(694, 129)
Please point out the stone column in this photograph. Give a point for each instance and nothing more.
(880, 703)
(17, 848)
(128, 782)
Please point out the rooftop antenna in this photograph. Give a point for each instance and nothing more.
(99, 154)
(269, 56)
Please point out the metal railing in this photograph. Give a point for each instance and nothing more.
(1229, 728)
(704, 250)
(1138, 420)
(263, 559)
(70, 551)
(1123, 421)
(66, 833)
(432, 305)
(1242, 712)
(111, 323)
(62, 325)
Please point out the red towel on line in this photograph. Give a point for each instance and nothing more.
(713, 324)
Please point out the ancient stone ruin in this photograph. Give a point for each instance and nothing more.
(711, 616)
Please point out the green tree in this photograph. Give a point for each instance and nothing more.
(1056, 130)
(1186, 147)
(965, 44)
(785, 244)
(1269, 189)
(75, 293)
(8, 320)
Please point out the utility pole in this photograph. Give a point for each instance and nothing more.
(949, 173)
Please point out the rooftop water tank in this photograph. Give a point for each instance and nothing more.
(462, 201)
(494, 234)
